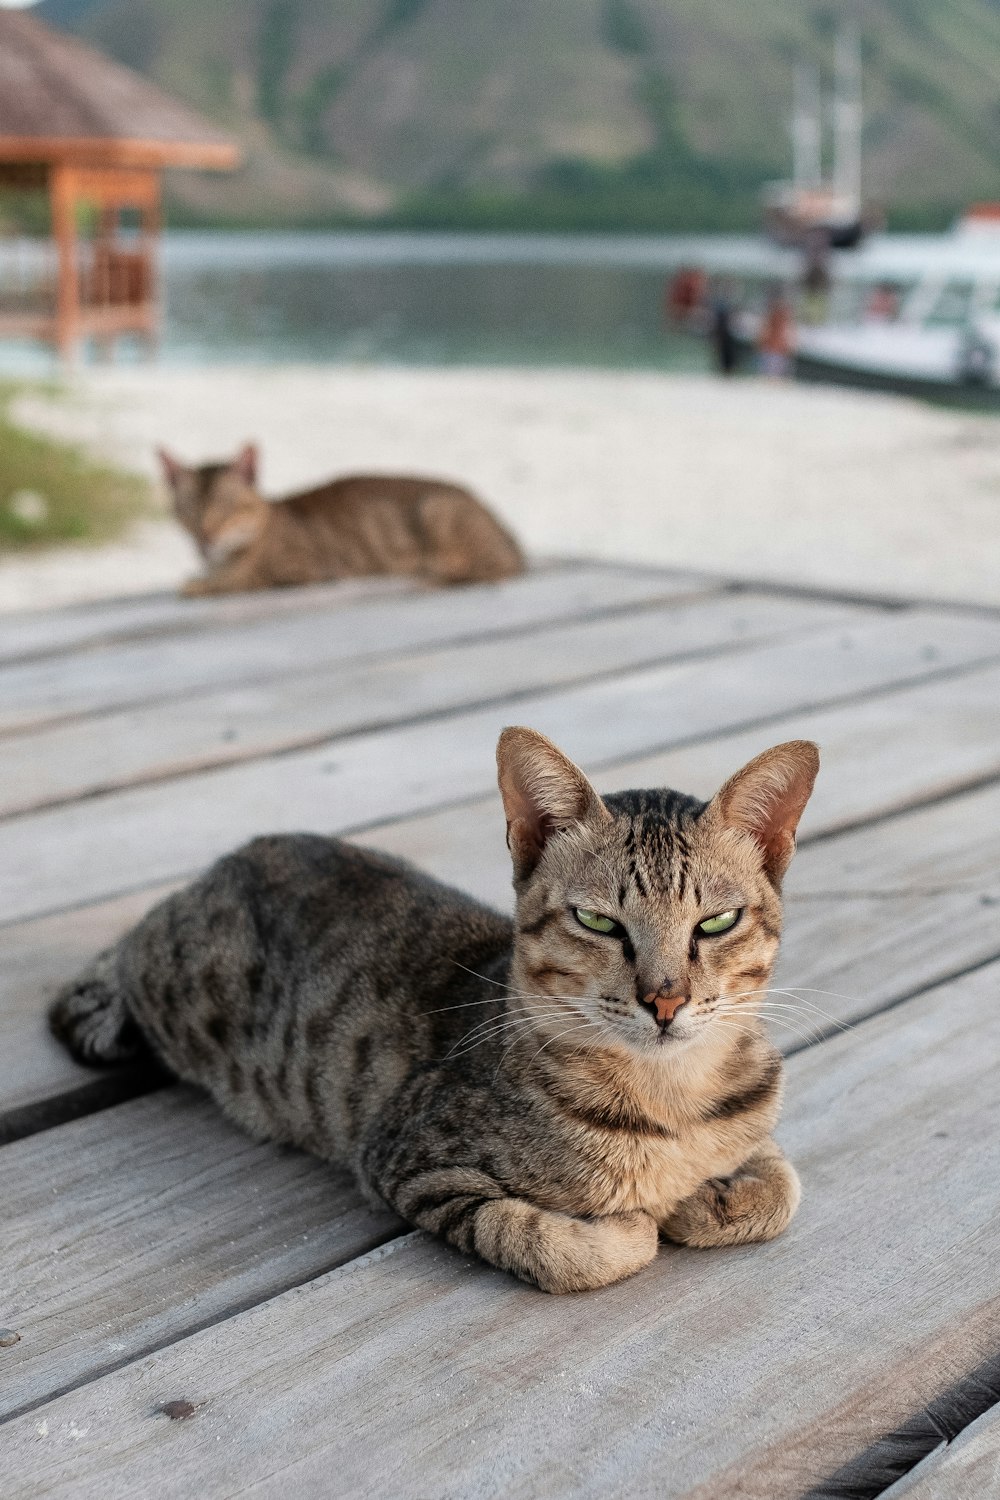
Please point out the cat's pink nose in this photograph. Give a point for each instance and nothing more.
(665, 1007)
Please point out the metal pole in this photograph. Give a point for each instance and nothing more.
(806, 129)
(847, 117)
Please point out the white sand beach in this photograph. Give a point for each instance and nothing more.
(795, 484)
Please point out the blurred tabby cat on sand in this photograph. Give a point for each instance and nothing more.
(361, 524)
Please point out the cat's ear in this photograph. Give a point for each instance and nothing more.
(768, 797)
(246, 463)
(172, 467)
(543, 793)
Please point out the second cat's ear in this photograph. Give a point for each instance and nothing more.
(172, 467)
(543, 793)
(767, 798)
(247, 462)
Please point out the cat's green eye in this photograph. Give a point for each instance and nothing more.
(595, 921)
(719, 923)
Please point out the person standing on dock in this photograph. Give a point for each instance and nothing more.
(722, 331)
(776, 339)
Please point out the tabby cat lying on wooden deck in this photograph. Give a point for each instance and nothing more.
(552, 1093)
(344, 529)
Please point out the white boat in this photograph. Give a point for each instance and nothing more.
(943, 334)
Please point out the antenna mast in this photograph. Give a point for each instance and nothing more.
(806, 129)
(847, 117)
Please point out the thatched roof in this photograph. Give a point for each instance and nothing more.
(61, 101)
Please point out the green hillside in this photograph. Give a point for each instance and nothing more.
(589, 113)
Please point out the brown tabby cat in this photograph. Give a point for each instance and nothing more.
(350, 527)
(552, 1093)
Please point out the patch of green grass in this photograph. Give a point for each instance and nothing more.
(51, 492)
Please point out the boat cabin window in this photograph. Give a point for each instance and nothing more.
(952, 305)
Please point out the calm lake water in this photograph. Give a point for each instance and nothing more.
(422, 299)
(394, 298)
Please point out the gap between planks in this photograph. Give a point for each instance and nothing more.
(921, 1460)
(966, 1465)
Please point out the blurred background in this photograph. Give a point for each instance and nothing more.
(674, 281)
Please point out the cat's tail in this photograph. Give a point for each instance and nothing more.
(90, 1017)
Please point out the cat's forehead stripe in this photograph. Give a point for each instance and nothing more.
(655, 844)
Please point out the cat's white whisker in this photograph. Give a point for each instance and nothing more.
(778, 1009)
(494, 1027)
(583, 1026)
(500, 983)
(798, 1025)
(795, 992)
(749, 1031)
(742, 1031)
(832, 994)
(776, 1006)
(568, 1032)
(467, 1044)
(495, 1023)
(466, 1005)
(793, 996)
(814, 1011)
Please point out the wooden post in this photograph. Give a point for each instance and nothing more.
(151, 222)
(62, 197)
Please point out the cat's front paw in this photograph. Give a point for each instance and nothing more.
(756, 1203)
(561, 1253)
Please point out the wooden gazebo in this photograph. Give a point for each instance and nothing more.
(96, 136)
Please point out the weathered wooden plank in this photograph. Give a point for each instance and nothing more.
(171, 666)
(864, 775)
(32, 633)
(966, 1469)
(127, 1229)
(89, 850)
(102, 752)
(756, 1370)
(885, 911)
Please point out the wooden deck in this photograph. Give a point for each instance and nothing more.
(152, 1255)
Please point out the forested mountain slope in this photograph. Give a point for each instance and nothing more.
(605, 112)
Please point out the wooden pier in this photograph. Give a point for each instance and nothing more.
(190, 1314)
